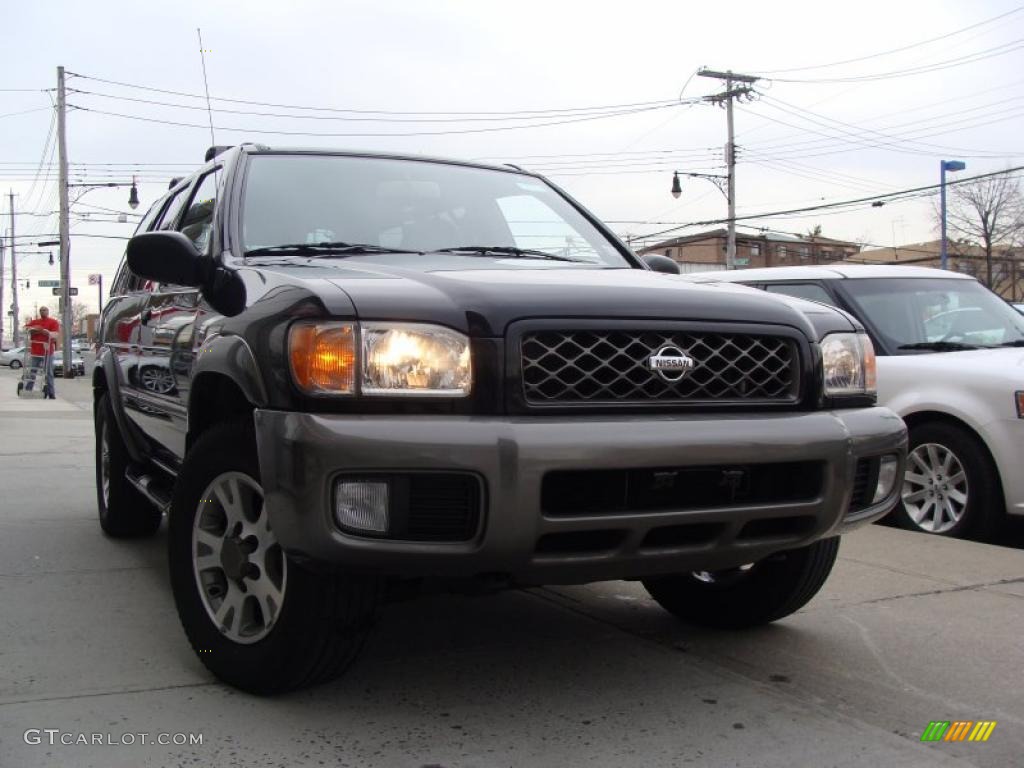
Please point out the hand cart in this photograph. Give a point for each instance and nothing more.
(34, 368)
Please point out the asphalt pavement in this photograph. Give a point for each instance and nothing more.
(910, 629)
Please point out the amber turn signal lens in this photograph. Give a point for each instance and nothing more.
(870, 365)
(323, 357)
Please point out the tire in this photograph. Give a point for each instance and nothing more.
(124, 512)
(291, 627)
(963, 503)
(747, 597)
(15, 365)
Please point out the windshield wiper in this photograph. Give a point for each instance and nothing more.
(940, 346)
(1014, 343)
(508, 252)
(333, 248)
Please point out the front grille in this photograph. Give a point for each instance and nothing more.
(602, 367)
(625, 491)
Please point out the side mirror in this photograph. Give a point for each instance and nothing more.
(170, 257)
(661, 264)
(167, 257)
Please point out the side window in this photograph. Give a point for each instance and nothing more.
(198, 221)
(124, 281)
(809, 291)
(170, 217)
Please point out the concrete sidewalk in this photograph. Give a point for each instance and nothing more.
(909, 629)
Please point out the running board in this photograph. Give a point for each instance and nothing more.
(152, 487)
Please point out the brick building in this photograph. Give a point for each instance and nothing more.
(1007, 263)
(706, 250)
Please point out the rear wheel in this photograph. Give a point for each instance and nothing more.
(950, 487)
(15, 364)
(124, 512)
(255, 618)
(750, 595)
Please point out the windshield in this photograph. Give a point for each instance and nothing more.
(414, 206)
(935, 311)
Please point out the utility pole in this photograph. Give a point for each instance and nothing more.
(15, 318)
(727, 97)
(65, 225)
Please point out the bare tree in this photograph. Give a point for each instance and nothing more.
(79, 310)
(988, 213)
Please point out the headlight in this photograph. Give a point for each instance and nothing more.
(849, 363)
(414, 359)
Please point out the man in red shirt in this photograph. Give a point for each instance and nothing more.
(43, 333)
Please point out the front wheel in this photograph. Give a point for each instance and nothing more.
(950, 487)
(750, 595)
(256, 619)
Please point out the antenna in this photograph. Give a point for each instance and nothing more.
(206, 86)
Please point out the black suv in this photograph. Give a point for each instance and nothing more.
(345, 375)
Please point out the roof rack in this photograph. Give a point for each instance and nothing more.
(215, 150)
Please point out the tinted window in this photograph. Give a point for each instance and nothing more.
(172, 210)
(125, 281)
(413, 206)
(809, 291)
(928, 310)
(197, 223)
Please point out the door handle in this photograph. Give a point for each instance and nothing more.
(147, 314)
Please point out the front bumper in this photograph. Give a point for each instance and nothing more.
(301, 454)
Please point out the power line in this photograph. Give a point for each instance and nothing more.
(583, 111)
(901, 48)
(549, 111)
(855, 201)
(855, 131)
(971, 58)
(265, 131)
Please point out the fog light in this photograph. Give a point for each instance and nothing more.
(886, 478)
(361, 506)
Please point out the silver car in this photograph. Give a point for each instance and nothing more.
(13, 357)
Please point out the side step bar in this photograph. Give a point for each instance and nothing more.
(153, 487)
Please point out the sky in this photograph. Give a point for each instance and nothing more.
(601, 97)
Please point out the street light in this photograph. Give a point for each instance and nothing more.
(716, 179)
(946, 165)
(133, 196)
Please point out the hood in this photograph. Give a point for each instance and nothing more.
(484, 301)
(1007, 362)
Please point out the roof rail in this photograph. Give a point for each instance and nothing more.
(215, 150)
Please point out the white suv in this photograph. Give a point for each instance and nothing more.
(951, 363)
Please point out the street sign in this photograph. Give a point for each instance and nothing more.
(49, 284)
(73, 291)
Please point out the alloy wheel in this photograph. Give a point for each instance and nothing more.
(240, 569)
(935, 488)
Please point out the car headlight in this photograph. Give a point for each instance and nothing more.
(415, 359)
(849, 363)
(394, 359)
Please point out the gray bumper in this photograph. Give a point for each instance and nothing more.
(301, 454)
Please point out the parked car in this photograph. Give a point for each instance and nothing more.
(950, 363)
(13, 357)
(392, 371)
(77, 364)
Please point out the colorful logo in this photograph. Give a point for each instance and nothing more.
(958, 730)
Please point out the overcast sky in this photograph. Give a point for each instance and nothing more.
(799, 143)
